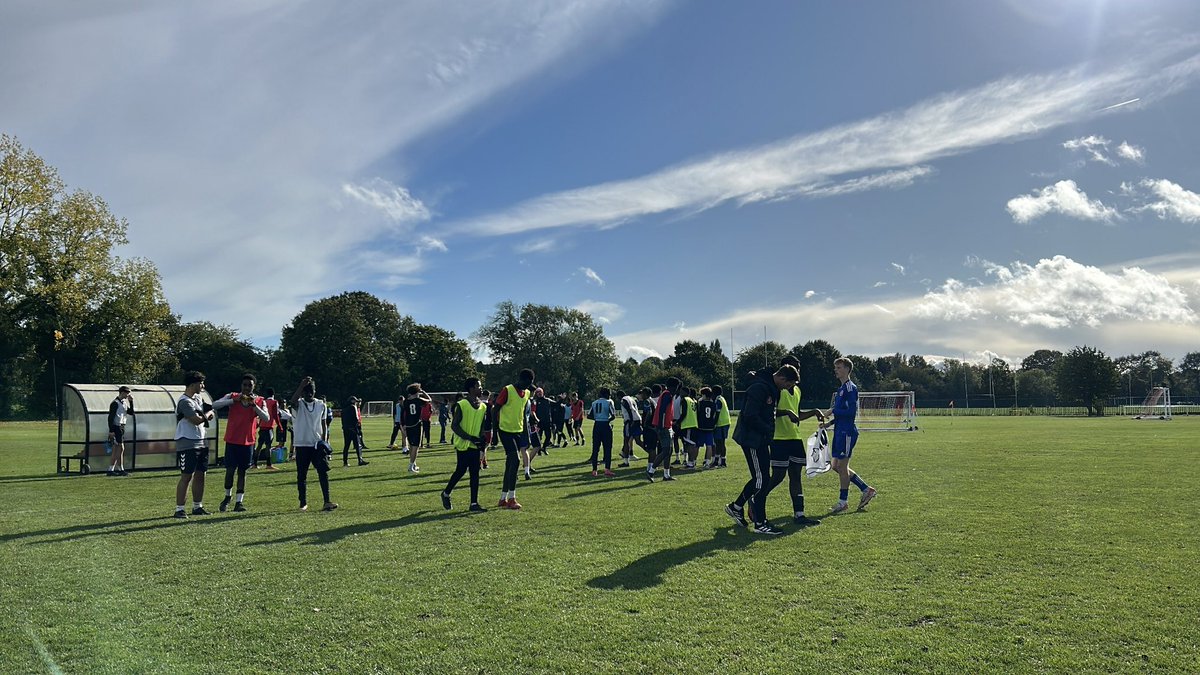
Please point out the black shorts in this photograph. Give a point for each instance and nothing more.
(785, 451)
(632, 429)
(118, 432)
(191, 456)
(413, 434)
(578, 424)
(238, 456)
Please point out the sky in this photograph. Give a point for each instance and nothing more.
(941, 178)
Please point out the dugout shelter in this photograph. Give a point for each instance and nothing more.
(149, 431)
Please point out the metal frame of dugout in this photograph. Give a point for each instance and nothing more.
(149, 432)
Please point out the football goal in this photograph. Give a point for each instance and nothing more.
(886, 411)
(378, 409)
(1156, 406)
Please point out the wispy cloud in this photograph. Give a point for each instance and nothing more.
(641, 353)
(946, 125)
(604, 312)
(1096, 148)
(590, 275)
(281, 131)
(393, 201)
(898, 267)
(1131, 152)
(1063, 197)
(1173, 201)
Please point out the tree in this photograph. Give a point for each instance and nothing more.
(565, 347)
(1043, 359)
(351, 343)
(70, 310)
(708, 364)
(1035, 387)
(1086, 376)
(865, 375)
(216, 351)
(817, 381)
(762, 355)
(436, 358)
(1143, 371)
(1189, 368)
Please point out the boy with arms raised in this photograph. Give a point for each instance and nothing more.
(246, 412)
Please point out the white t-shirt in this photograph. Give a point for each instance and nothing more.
(629, 410)
(186, 407)
(307, 422)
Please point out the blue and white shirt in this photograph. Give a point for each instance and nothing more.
(845, 407)
(602, 410)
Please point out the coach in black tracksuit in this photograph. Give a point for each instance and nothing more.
(754, 432)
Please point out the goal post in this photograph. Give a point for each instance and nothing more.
(1156, 405)
(886, 411)
(378, 409)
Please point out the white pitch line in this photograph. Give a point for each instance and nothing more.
(44, 653)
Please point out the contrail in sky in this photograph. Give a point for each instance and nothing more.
(1118, 105)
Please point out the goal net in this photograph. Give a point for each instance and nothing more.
(886, 411)
(1156, 406)
(378, 409)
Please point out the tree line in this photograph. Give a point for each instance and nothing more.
(71, 310)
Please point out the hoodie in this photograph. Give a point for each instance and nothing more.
(756, 423)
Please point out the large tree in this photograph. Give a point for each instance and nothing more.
(1086, 376)
(436, 358)
(817, 381)
(707, 363)
(1042, 359)
(219, 353)
(70, 309)
(762, 355)
(567, 348)
(1189, 369)
(351, 343)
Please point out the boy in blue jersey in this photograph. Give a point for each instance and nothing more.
(845, 436)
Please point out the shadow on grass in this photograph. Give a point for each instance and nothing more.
(338, 533)
(611, 487)
(78, 532)
(34, 477)
(648, 571)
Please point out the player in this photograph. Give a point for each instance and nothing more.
(121, 406)
(845, 436)
(576, 425)
(467, 422)
(266, 430)
(602, 414)
(662, 419)
(631, 427)
(246, 412)
(721, 432)
(192, 416)
(311, 428)
(788, 450)
(755, 429)
(414, 422)
(706, 423)
(687, 426)
(508, 417)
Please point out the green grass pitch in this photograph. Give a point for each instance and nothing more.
(996, 544)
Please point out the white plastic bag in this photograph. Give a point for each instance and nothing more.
(818, 453)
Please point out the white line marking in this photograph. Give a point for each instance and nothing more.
(43, 652)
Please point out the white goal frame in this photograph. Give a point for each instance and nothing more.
(899, 413)
(1156, 405)
(372, 408)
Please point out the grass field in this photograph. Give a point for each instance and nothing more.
(1005, 544)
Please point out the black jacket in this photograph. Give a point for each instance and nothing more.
(756, 422)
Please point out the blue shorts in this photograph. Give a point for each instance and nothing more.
(519, 440)
(632, 429)
(704, 438)
(843, 443)
(721, 433)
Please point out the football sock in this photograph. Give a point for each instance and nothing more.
(241, 496)
(197, 505)
(859, 482)
(843, 495)
(179, 507)
(229, 492)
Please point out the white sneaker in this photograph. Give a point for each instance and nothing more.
(867, 496)
(413, 468)
(839, 507)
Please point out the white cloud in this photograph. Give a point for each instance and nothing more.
(1094, 146)
(1063, 197)
(1132, 153)
(1055, 303)
(604, 312)
(899, 268)
(883, 309)
(426, 243)
(641, 353)
(536, 245)
(1060, 293)
(393, 201)
(880, 284)
(945, 125)
(809, 294)
(591, 275)
(252, 122)
(1173, 201)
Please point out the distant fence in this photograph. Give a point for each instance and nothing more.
(1042, 410)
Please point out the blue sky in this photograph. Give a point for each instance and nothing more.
(941, 178)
